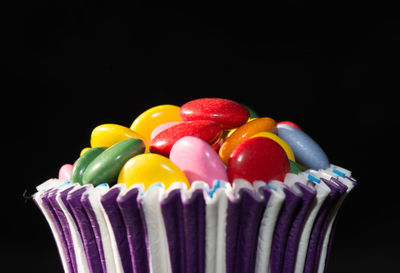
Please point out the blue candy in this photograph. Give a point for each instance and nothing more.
(306, 151)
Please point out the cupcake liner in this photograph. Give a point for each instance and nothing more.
(92, 215)
(262, 228)
(135, 229)
(40, 200)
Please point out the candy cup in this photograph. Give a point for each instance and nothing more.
(146, 122)
(198, 160)
(280, 141)
(65, 171)
(106, 167)
(305, 149)
(162, 127)
(229, 114)
(206, 130)
(290, 123)
(83, 162)
(151, 168)
(244, 132)
(258, 158)
(107, 135)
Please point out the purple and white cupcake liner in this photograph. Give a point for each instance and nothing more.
(261, 228)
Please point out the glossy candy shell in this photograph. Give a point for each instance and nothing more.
(163, 127)
(83, 162)
(151, 168)
(146, 122)
(280, 141)
(65, 171)
(206, 130)
(106, 135)
(198, 160)
(305, 149)
(290, 123)
(229, 114)
(245, 132)
(106, 167)
(258, 158)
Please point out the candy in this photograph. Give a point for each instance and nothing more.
(83, 162)
(84, 150)
(305, 149)
(198, 160)
(162, 127)
(244, 132)
(290, 123)
(258, 158)
(280, 141)
(65, 171)
(105, 167)
(229, 114)
(206, 130)
(151, 168)
(252, 114)
(107, 135)
(146, 122)
(294, 168)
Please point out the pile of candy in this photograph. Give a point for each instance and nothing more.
(205, 139)
(205, 187)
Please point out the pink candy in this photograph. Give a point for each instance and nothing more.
(65, 172)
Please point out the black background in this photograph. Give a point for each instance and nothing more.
(332, 68)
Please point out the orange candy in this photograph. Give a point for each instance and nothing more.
(244, 132)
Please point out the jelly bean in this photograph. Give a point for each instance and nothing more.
(206, 130)
(107, 135)
(105, 167)
(230, 132)
(252, 114)
(229, 114)
(162, 127)
(280, 141)
(294, 167)
(83, 162)
(305, 149)
(198, 160)
(244, 132)
(84, 150)
(146, 122)
(258, 158)
(290, 123)
(151, 168)
(65, 171)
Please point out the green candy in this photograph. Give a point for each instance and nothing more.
(83, 162)
(106, 167)
(294, 168)
(252, 113)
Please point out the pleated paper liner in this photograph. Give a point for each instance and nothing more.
(261, 228)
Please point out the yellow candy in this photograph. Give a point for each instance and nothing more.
(84, 150)
(146, 122)
(107, 135)
(280, 141)
(151, 168)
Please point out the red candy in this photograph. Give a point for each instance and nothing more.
(258, 158)
(290, 123)
(229, 114)
(207, 130)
